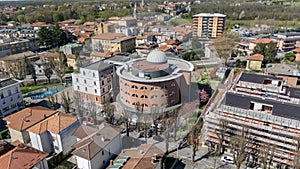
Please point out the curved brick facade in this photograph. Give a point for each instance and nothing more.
(160, 94)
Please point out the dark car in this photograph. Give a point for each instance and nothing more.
(142, 134)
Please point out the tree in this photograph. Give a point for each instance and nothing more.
(52, 101)
(155, 118)
(59, 66)
(45, 37)
(48, 72)
(268, 50)
(195, 132)
(31, 70)
(17, 69)
(266, 154)
(66, 101)
(126, 117)
(239, 145)
(290, 56)
(220, 132)
(59, 37)
(92, 111)
(79, 107)
(108, 111)
(203, 96)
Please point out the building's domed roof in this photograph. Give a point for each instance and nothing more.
(157, 57)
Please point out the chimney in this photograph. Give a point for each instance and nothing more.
(102, 138)
(45, 116)
(141, 151)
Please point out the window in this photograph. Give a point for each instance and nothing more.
(18, 96)
(144, 96)
(103, 154)
(103, 161)
(135, 96)
(4, 102)
(84, 73)
(127, 101)
(134, 87)
(172, 101)
(9, 92)
(143, 88)
(144, 105)
(78, 88)
(95, 83)
(154, 105)
(164, 95)
(2, 95)
(11, 99)
(154, 97)
(154, 88)
(17, 90)
(95, 90)
(173, 85)
(76, 79)
(109, 87)
(96, 98)
(93, 74)
(133, 103)
(172, 94)
(127, 93)
(103, 90)
(126, 85)
(85, 81)
(102, 82)
(85, 88)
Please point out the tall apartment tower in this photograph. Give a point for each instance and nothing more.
(208, 25)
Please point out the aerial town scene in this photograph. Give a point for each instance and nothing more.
(150, 84)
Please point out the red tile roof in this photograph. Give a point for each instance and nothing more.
(297, 50)
(55, 123)
(257, 57)
(21, 157)
(262, 40)
(28, 117)
(170, 42)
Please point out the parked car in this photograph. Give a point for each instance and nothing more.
(142, 134)
(227, 159)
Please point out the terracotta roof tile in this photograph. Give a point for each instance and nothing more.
(22, 156)
(109, 36)
(262, 40)
(258, 57)
(297, 50)
(170, 42)
(28, 117)
(164, 48)
(54, 124)
(71, 56)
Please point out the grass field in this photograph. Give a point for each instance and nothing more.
(27, 89)
(252, 23)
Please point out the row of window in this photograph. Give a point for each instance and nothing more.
(152, 88)
(9, 92)
(94, 75)
(146, 105)
(152, 97)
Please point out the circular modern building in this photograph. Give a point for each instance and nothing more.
(155, 83)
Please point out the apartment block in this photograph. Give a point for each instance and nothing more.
(94, 82)
(286, 41)
(18, 46)
(113, 42)
(264, 106)
(208, 25)
(11, 99)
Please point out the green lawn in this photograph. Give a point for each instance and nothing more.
(27, 89)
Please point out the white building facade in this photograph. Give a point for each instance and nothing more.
(11, 98)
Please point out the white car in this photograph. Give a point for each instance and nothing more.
(227, 159)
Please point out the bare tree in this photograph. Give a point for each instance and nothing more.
(220, 132)
(195, 132)
(31, 70)
(109, 111)
(266, 154)
(155, 118)
(48, 73)
(126, 117)
(52, 101)
(78, 104)
(66, 101)
(239, 145)
(296, 160)
(92, 110)
(59, 66)
(17, 69)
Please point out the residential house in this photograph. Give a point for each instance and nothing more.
(11, 99)
(39, 25)
(95, 147)
(18, 46)
(54, 134)
(264, 41)
(128, 21)
(145, 156)
(71, 48)
(71, 61)
(113, 42)
(94, 82)
(105, 27)
(254, 62)
(19, 122)
(40, 66)
(128, 31)
(264, 106)
(19, 155)
(297, 54)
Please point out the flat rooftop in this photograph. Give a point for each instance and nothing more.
(7, 82)
(257, 78)
(176, 67)
(282, 109)
(209, 15)
(98, 65)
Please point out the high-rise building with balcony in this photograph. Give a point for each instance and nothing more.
(208, 25)
(264, 106)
